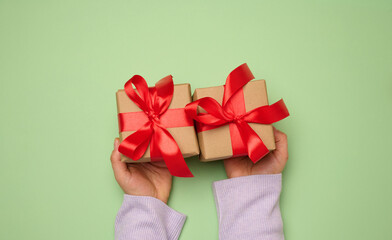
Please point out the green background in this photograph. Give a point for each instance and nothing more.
(62, 62)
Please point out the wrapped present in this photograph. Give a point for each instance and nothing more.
(154, 126)
(235, 119)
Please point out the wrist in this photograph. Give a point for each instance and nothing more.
(153, 194)
(242, 173)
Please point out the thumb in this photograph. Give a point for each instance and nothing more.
(281, 145)
(120, 169)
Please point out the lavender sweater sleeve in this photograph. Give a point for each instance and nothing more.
(147, 218)
(248, 207)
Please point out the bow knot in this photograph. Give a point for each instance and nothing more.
(237, 119)
(152, 116)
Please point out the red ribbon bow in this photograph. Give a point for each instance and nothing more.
(154, 102)
(232, 112)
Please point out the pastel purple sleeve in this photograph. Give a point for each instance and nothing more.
(248, 207)
(147, 218)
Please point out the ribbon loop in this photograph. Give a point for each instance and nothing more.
(142, 99)
(164, 89)
(214, 115)
(135, 145)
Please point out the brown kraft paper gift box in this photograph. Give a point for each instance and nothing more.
(215, 144)
(184, 136)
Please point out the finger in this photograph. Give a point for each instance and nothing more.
(228, 163)
(120, 169)
(237, 166)
(281, 144)
(160, 164)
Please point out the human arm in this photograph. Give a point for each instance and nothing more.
(248, 202)
(144, 213)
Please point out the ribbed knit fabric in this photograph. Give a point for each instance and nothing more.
(147, 218)
(248, 207)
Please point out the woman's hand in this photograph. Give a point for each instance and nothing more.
(141, 179)
(272, 163)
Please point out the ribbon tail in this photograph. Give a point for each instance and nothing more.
(268, 114)
(135, 145)
(170, 153)
(236, 80)
(255, 146)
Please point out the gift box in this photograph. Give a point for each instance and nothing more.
(152, 122)
(235, 119)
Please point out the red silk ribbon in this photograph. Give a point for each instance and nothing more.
(151, 124)
(232, 111)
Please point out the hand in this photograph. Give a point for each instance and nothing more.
(272, 163)
(141, 179)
